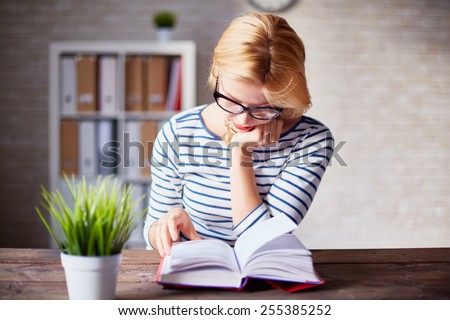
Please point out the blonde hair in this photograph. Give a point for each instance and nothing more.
(264, 49)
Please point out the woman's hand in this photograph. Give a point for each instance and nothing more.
(167, 230)
(261, 136)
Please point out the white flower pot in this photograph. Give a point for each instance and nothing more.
(164, 34)
(91, 278)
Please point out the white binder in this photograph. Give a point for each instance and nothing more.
(88, 162)
(68, 85)
(107, 84)
(174, 90)
(133, 150)
(107, 147)
(136, 240)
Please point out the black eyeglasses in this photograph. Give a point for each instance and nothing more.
(229, 105)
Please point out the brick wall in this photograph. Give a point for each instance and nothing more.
(378, 73)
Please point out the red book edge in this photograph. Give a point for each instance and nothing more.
(158, 273)
(293, 286)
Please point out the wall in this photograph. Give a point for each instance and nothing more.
(378, 73)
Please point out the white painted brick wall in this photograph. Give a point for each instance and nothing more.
(379, 76)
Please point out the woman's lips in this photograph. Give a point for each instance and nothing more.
(243, 128)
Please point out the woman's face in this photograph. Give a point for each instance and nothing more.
(248, 94)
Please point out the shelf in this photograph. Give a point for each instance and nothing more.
(150, 115)
(135, 115)
(88, 116)
(123, 126)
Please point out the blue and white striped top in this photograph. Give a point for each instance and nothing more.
(190, 169)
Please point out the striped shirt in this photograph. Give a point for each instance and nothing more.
(191, 170)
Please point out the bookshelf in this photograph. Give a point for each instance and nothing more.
(92, 102)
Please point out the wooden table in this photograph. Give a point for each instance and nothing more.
(349, 274)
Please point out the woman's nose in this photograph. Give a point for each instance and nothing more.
(244, 118)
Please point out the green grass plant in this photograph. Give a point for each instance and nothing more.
(164, 19)
(99, 223)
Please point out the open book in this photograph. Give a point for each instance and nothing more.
(266, 251)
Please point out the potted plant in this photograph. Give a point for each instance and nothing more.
(91, 233)
(164, 21)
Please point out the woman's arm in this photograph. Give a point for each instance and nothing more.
(244, 192)
(294, 188)
(166, 218)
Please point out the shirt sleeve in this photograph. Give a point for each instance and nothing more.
(166, 188)
(260, 213)
(294, 189)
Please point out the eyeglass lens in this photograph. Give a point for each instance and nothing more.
(258, 112)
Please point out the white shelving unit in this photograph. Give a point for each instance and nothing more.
(120, 49)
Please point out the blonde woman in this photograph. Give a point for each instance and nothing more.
(220, 168)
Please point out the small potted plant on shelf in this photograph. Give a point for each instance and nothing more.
(91, 233)
(164, 21)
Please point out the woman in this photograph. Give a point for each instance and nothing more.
(220, 168)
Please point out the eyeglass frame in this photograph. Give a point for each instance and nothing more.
(217, 95)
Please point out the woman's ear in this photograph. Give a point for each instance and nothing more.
(212, 77)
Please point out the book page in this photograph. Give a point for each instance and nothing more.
(285, 244)
(188, 255)
(284, 258)
(260, 234)
(202, 277)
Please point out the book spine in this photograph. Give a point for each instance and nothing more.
(156, 77)
(86, 83)
(149, 130)
(134, 85)
(69, 147)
